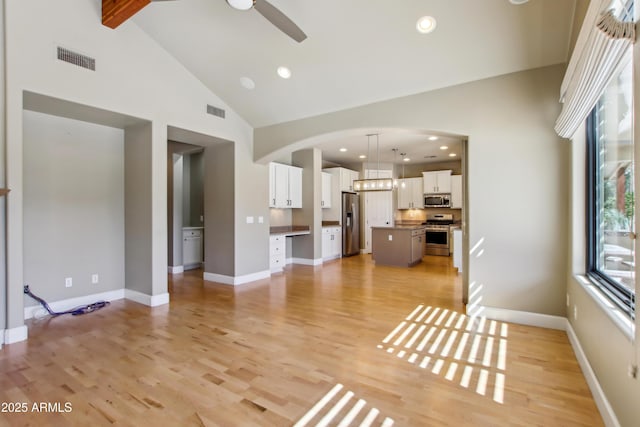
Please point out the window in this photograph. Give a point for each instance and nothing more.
(611, 193)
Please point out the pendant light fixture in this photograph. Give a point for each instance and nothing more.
(373, 184)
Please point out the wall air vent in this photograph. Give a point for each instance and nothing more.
(219, 112)
(75, 58)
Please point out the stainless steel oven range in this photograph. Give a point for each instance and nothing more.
(437, 234)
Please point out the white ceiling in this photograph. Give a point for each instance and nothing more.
(357, 51)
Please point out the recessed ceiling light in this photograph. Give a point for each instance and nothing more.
(406, 159)
(452, 154)
(241, 4)
(343, 149)
(284, 72)
(443, 147)
(518, 1)
(426, 24)
(247, 83)
(362, 156)
(433, 138)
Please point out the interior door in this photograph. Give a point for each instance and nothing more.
(378, 207)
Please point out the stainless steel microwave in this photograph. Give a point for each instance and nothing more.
(437, 200)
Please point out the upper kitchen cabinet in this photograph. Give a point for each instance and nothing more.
(437, 181)
(410, 193)
(285, 186)
(344, 178)
(456, 191)
(326, 190)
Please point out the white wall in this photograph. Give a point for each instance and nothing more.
(517, 175)
(133, 76)
(73, 206)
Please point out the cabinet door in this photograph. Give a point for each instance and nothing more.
(430, 182)
(456, 191)
(295, 187)
(404, 194)
(336, 242)
(326, 243)
(272, 185)
(281, 185)
(326, 190)
(417, 194)
(443, 179)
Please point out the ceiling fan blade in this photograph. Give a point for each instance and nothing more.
(280, 20)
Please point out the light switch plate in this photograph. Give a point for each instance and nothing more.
(249, 220)
(390, 237)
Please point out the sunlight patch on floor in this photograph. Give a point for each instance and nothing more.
(470, 350)
(341, 408)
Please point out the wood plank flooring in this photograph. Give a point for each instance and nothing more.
(393, 341)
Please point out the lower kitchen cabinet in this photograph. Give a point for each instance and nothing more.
(397, 246)
(331, 243)
(277, 251)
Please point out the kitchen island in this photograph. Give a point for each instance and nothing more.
(399, 246)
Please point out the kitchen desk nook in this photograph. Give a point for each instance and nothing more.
(400, 246)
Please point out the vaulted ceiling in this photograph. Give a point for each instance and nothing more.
(357, 51)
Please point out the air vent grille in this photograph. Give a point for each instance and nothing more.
(75, 58)
(218, 112)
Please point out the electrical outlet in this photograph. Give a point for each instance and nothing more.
(94, 278)
(68, 282)
(390, 237)
(575, 312)
(260, 220)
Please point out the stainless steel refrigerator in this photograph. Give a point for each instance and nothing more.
(350, 224)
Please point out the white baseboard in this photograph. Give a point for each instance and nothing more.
(15, 334)
(236, 280)
(307, 261)
(176, 269)
(70, 303)
(331, 258)
(288, 261)
(523, 317)
(148, 300)
(606, 411)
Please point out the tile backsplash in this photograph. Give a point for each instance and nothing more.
(421, 214)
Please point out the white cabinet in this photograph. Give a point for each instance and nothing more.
(437, 181)
(347, 176)
(285, 186)
(326, 190)
(331, 243)
(456, 191)
(417, 245)
(192, 250)
(410, 193)
(277, 250)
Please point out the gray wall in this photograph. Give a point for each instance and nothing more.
(219, 211)
(309, 246)
(138, 208)
(73, 206)
(196, 190)
(3, 182)
(517, 175)
(174, 208)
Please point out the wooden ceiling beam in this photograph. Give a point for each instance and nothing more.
(115, 12)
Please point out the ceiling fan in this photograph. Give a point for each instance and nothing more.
(271, 13)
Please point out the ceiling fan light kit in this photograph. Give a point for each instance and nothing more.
(241, 4)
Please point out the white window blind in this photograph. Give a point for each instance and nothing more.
(601, 44)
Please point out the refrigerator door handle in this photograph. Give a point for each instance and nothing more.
(348, 221)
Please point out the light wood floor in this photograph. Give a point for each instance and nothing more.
(265, 353)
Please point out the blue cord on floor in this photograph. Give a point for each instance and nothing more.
(74, 311)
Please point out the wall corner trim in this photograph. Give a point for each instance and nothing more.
(67, 304)
(606, 411)
(177, 269)
(561, 323)
(14, 335)
(148, 300)
(236, 280)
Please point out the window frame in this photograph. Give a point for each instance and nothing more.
(618, 294)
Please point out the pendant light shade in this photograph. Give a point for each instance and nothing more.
(241, 4)
(373, 184)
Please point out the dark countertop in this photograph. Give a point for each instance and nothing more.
(290, 230)
(330, 223)
(408, 227)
